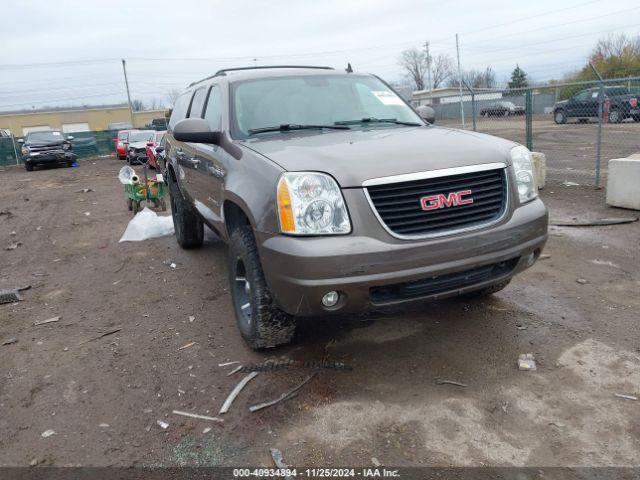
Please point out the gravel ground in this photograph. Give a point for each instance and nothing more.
(104, 395)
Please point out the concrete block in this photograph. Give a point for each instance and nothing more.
(623, 184)
(539, 168)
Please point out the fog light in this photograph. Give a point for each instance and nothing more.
(330, 299)
(531, 259)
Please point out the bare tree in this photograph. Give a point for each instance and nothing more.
(620, 46)
(442, 66)
(476, 78)
(172, 96)
(137, 105)
(414, 62)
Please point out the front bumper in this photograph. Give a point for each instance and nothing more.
(56, 156)
(138, 157)
(300, 271)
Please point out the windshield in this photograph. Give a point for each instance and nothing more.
(51, 136)
(142, 136)
(315, 100)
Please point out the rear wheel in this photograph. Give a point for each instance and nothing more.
(560, 117)
(615, 116)
(186, 220)
(261, 323)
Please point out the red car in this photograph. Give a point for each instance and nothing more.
(121, 148)
(151, 148)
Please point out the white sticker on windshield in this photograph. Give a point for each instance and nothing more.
(388, 98)
(56, 134)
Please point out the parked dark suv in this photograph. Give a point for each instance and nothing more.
(335, 196)
(48, 147)
(584, 105)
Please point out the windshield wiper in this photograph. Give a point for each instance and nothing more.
(286, 127)
(378, 120)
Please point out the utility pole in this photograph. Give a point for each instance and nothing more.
(126, 82)
(460, 81)
(430, 85)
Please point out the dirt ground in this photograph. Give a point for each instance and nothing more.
(103, 396)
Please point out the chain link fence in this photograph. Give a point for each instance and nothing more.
(578, 126)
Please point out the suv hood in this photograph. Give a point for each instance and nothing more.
(353, 156)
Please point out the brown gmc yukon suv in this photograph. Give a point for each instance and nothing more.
(335, 196)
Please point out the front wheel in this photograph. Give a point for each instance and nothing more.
(560, 117)
(186, 220)
(261, 323)
(28, 166)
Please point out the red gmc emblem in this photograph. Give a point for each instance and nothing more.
(433, 202)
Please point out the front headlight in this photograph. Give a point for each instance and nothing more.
(311, 203)
(523, 168)
(66, 146)
(25, 150)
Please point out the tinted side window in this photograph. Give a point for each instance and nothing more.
(213, 113)
(582, 96)
(197, 103)
(180, 109)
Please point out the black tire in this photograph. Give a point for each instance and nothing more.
(28, 166)
(261, 323)
(490, 290)
(186, 220)
(559, 117)
(615, 116)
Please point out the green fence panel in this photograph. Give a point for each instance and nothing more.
(7, 152)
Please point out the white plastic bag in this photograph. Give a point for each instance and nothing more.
(147, 224)
(127, 175)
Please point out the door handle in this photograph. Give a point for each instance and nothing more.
(194, 161)
(217, 172)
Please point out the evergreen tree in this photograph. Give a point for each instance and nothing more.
(518, 78)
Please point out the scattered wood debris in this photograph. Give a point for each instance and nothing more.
(284, 396)
(44, 322)
(440, 381)
(194, 415)
(226, 364)
(234, 393)
(626, 397)
(106, 334)
(190, 344)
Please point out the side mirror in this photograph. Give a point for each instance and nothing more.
(195, 130)
(69, 138)
(21, 140)
(149, 144)
(427, 113)
(159, 149)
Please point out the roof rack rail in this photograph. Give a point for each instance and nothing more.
(261, 67)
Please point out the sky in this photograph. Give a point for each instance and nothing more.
(69, 52)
